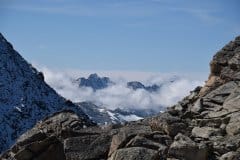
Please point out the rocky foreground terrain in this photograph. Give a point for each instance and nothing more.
(203, 126)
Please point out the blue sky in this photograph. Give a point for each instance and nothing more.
(128, 35)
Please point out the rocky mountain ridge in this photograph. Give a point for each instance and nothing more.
(25, 98)
(203, 126)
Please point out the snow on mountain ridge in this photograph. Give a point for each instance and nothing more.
(104, 116)
(24, 96)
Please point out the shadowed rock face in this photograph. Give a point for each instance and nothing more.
(203, 126)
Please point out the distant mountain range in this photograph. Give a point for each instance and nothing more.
(96, 83)
(103, 115)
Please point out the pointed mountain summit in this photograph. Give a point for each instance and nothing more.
(25, 98)
(95, 82)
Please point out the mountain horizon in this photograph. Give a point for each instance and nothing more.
(179, 132)
(119, 80)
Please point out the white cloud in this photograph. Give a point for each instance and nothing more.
(119, 96)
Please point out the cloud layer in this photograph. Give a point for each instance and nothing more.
(119, 95)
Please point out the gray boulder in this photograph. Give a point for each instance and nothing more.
(125, 134)
(185, 148)
(135, 153)
(205, 132)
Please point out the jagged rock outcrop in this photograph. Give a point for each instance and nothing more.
(203, 126)
(25, 98)
(224, 66)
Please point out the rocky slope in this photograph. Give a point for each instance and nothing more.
(24, 96)
(203, 126)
